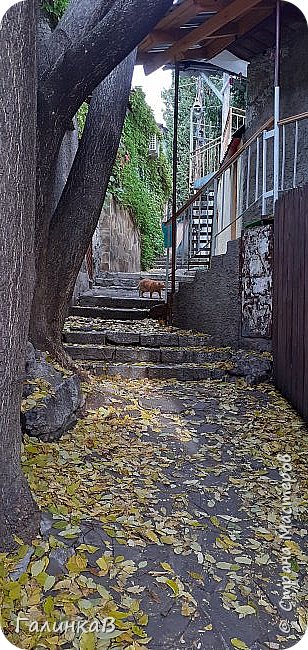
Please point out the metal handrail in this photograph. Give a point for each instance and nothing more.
(219, 204)
(224, 167)
(293, 118)
(208, 145)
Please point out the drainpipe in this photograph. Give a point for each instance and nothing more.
(174, 176)
(276, 106)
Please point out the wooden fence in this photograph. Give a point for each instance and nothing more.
(290, 305)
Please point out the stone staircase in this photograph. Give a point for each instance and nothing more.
(110, 332)
(115, 296)
(138, 354)
(146, 349)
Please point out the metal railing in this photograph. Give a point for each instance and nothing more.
(291, 171)
(235, 119)
(206, 159)
(213, 215)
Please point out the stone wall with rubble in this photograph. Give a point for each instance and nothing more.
(256, 277)
(116, 241)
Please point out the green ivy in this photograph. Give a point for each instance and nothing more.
(140, 182)
(81, 118)
(54, 9)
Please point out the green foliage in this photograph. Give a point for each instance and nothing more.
(187, 95)
(140, 182)
(212, 111)
(54, 9)
(239, 93)
(81, 117)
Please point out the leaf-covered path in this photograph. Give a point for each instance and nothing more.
(164, 509)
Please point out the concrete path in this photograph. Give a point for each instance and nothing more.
(165, 508)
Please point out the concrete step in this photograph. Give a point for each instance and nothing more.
(128, 283)
(117, 302)
(165, 356)
(130, 291)
(110, 314)
(109, 337)
(132, 283)
(184, 372)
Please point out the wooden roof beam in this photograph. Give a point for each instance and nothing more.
(197, 53)
(244, 25)
(229, 13)
(159, 37)
(200, 53)
(180, 15)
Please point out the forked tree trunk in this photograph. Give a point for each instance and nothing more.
(81, 55)
(79, 208)
(18, 512)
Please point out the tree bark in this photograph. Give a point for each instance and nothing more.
(79, 208)
(19, 514)
(80, 60)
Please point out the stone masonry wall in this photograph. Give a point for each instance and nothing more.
(211, 303)
(116, 242)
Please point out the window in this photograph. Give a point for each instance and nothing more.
(154, 146)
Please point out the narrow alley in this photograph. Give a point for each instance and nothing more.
(164, 507)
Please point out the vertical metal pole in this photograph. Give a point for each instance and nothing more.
(283, 164)
(174, 174)
(264, 172)
(189, 236)
(199, 222)
(167, 274)
(248, 178)
(257, 170)
(295, 153)
(215, 219)
(276, 106)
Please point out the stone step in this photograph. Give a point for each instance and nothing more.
(184, 372)
(109, 337)
(130, 289)
(106, 313)
(129, 283)
(118, 302)
(144, 275)
(133, 279)
(166, 356)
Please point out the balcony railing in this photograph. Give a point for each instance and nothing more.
(213, 215)
(206, 159)
(235, 119)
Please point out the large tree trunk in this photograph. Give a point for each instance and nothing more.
(81, 55)
(19, 514)
(79, 208)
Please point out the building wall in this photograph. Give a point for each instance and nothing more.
(116, 241)
(212, 302)
(232, 301)
(293, 100)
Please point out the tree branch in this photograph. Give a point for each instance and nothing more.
(79, 208)
(86, 61)
(79, 18)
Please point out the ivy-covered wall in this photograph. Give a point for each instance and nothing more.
(139, 181)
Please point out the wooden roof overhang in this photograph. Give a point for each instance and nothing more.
(198, 30)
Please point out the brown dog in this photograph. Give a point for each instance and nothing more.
(150, 286)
